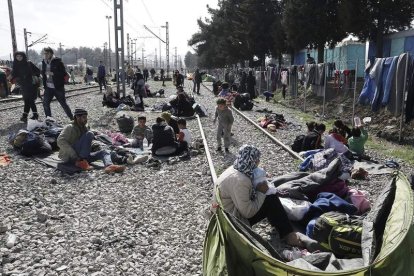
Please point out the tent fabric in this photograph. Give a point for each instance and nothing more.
(231, 249)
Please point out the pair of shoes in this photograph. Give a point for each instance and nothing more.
(24, 118)
(226, 150)
(114, 169)
(218, 149)
(83, 165)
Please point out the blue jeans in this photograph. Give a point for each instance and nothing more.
(83, 149)
(60, 97)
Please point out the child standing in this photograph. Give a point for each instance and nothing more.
(225, 122)
(140, 132)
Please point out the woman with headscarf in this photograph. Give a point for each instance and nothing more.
(26, 75)
(171, 121)
(240, 198)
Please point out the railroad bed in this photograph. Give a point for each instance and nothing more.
(141, 222)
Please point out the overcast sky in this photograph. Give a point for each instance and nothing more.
(77, 23)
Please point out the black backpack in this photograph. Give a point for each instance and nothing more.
(125, 123)
(243, 102)
(298, 143)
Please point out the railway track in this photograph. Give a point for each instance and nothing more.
(213, 159)
(4, 105)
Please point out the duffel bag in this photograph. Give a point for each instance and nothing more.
(338, 232)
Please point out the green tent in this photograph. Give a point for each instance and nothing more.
(232, 248)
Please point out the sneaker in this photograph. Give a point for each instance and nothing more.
(114, 169)
(185, 156)
(226, 150)
(35, 116)
(83, 164)
(130, 160)
(218, 148)
(24, 118)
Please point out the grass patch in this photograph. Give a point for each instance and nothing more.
(402, 152)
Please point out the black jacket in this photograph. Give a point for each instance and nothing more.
(163, 135)
(312, 141)
(59, 72)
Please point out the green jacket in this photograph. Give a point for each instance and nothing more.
(67, 138)
(356, 144)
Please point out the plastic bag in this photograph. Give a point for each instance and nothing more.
(295, 208)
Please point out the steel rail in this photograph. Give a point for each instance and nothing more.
(39, 102)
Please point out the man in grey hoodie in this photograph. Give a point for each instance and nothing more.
(225, 122)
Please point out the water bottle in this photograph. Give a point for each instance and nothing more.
(11, 240)
(144, 142)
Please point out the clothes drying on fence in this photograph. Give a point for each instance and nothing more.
(384, 84)
(409, 108)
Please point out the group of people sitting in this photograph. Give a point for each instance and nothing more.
(340, 137)
(168, 136)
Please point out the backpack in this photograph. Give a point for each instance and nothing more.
(125, 123)
(339, 232)
(297, 143)
(243, 102)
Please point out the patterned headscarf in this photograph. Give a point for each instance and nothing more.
(246, 160)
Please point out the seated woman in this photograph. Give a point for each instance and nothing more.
(240, 198)
(343, 129)
(164, 140)
(313, 138)
(336, 141)
(182, 105)
(171, 121)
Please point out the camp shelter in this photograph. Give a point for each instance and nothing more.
(232, 248)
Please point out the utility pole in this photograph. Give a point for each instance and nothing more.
(167, 45)
(175, 58)
(60, 49)
(109, 43)
(104, 54)
(155, 58)
(25, 43)
(128, 54)
(12, 29)
(119, 49)
(142, 60)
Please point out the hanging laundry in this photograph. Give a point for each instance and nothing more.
(372, 75)
(409, 107)
(396, 97)
(388, 81)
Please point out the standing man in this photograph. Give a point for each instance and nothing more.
(101, 76)
(146, 74)
(197, 81)
(162, 76)
(54, 73)
(179, 79)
